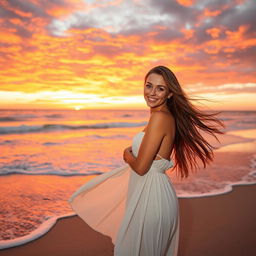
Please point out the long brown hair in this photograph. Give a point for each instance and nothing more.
(189, 144)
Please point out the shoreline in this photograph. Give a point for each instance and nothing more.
(223, 224)
(46, 226)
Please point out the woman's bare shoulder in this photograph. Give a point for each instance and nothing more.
(162, 120)
(162, 117)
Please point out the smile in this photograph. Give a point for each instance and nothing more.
(152, 99)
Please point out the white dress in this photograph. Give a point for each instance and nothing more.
(139, 213)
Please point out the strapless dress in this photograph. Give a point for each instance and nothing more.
(139, 213)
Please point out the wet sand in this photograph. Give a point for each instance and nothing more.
(218, 225)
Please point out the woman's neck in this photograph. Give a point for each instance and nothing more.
(159, 108)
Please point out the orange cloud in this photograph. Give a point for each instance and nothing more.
(188, 33)
(211, 13)
(186, 2)
(239, 39)
(214, 32)
(235, 40)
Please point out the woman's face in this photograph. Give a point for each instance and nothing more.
(156, 91)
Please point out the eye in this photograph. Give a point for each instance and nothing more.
(148, 85)
(161, 89)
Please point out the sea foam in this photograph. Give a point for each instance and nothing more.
(60, 127)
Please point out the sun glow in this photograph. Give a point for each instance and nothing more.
(77, 108)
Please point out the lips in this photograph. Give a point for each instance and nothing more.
(152, 99)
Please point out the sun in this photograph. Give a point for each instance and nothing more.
(77, 108)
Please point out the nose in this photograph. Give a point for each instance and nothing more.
(153, 91)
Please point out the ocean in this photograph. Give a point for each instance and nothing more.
(45, 155)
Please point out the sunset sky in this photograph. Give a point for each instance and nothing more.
(94, 54)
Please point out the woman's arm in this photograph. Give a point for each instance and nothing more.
(156, 130)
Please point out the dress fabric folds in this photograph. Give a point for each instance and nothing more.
(139, 213)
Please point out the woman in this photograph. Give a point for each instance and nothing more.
(136, 205)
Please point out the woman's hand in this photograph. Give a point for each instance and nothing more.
(127, 154)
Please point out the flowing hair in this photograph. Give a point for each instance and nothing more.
(189, 144)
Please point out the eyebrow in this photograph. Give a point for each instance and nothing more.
(157, 84)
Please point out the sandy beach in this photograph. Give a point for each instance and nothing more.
(212, 225)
